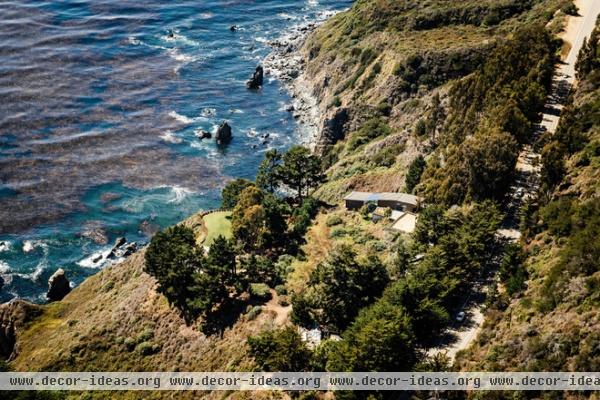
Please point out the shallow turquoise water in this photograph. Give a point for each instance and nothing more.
(100, 110)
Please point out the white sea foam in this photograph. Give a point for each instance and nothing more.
(287, 16)
(177, 37)
(29, 245)
(95, 260)
(181, 118)
(206, 15)
(181, 57)
(209, 112)
(4, 267)
(39, 269)
(169, 137)
(5, 246)
(179, 193)
(132, 40)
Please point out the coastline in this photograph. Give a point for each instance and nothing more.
(287, 65)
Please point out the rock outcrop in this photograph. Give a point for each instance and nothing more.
(202, 134)
(256, 81)
(334, 129)
(58, 286)
(13, 316)
(224, 135)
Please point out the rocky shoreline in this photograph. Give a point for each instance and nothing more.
(287, 64)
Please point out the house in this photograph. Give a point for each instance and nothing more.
(395, 201)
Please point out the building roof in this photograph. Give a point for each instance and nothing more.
(386, 196)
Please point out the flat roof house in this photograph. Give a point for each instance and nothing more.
(395, 201)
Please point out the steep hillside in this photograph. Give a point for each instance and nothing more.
(554, 323)
(116, 321)
(382, 73)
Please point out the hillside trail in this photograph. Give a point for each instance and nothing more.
(577, 29)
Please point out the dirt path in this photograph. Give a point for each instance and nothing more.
(281, 313)
(461, 335)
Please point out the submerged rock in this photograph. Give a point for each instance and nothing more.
(58, 286)
(256, 80)
(223, 135)
(204, 135)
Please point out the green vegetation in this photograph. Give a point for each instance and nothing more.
(231, 192)
(554, 272)
(339, 288)
(279, 351)
(492, 112)
(373, 128)
(217, 224)
(411, 125)
(413, 177)
(193, 283)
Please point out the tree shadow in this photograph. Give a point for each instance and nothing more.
(226, 315)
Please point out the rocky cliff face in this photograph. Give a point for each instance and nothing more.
(13, 319)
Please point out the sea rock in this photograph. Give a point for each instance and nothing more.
(58, 286)
(129, 249)
(204, 134)
(256, 80)
(289, 108)
(223, 135)
(119, 242)
(14, 315)
(97, 258)
(233, 28)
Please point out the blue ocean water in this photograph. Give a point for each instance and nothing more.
(100, 104)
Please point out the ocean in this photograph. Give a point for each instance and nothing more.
(101, 102)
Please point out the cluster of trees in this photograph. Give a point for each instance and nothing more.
(264, 227)
(192, 282)
(297, 170)
(389, 330)
(492, 114)
(338, 288)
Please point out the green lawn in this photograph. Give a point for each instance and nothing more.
(217, 224)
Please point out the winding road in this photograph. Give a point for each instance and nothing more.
(577, 29)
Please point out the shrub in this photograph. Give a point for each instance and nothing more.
(387, 156)
(281, 290)
(147, 348)
(279, 351)
(145, 335)
(384, 108)
(570, 9)
(333, 220)
(373, 128)
(253, 313)
(129, 343)
(260, 291)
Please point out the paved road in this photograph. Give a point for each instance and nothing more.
(528, 165)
